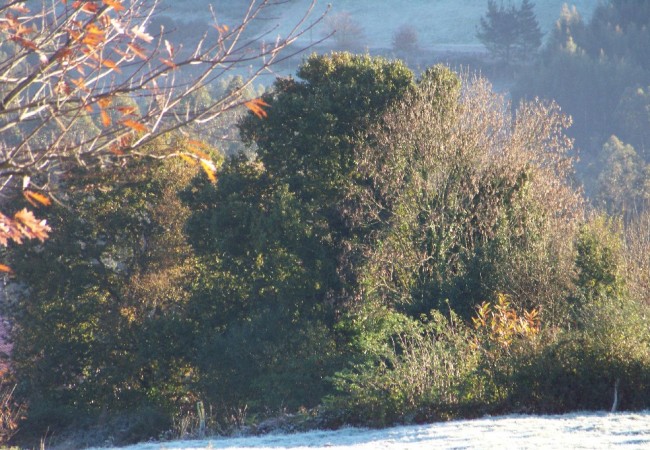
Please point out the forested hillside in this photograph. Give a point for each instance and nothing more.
(599, 72)
(355, 244)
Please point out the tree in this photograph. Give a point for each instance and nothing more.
(597, 72)
(632, 116)
(103, 322)
(405, 40)
(510, 33)
(264, 325)
(272, 235)
(464, 201)
(530, 34)
(67, 68)
(347, 32)
(622, 184)
(309, 138)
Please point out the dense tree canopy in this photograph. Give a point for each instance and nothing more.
(388, 248)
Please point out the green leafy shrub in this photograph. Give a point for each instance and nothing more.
(582, 369)
(605, 348)
(421, 370)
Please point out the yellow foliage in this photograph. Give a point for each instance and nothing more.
(502, 324)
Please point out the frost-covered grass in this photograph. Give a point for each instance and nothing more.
(570, 431)
(446, 23)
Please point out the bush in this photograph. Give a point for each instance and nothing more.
(582, 369)
(421, 370)
(605, 349)
(467, 202)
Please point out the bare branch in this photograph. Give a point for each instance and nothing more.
(66, 70)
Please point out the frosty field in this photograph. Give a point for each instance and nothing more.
(623, 431)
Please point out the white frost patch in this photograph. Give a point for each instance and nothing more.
(570, 431)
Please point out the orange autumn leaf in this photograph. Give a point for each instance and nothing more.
(80, 83)
(36, 198)
(221, 29)
(30, 226)
(104, 102)
(111, 65)
(257, 107)
(106, 119)
(93, 29)
(117, 6)
(63, 53)
(5, 268)
(137, 126)
(139, 51)
(92, 40)
(193, 144)
(25, 42)
(85, 6)
(188, 158)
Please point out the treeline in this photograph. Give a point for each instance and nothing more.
(599, 72)
(389, 249)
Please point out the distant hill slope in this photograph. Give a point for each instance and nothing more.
(445, 23)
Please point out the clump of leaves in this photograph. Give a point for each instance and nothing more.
(501, 324)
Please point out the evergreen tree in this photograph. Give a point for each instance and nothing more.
(498, 31)
(529, 32)
(509, 33)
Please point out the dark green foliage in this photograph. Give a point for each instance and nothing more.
(414, 369)
(598, 260)
(511, 34)
(272, 235)
(343, 263)
(315, 122)
(101, 324)
(530, 34)
(261, 301)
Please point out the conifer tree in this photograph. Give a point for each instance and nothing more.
(509, 33)
(529, 32)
